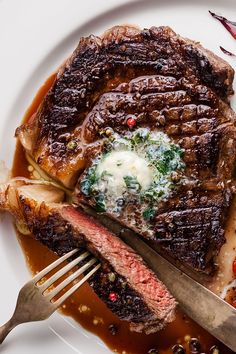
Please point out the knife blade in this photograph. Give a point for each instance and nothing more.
(199, 303)
(203, 306)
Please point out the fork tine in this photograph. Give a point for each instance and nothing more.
(63, 271)
(46, 270)
(76, 286)
(72, 277)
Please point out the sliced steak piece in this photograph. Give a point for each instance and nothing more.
(138, 296)
(130, 79)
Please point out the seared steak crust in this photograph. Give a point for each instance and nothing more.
(192, 227)
(167, 83)
(97, 67)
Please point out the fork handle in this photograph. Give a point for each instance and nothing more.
(6, 329)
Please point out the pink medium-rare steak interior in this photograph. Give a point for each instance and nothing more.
(123, 259)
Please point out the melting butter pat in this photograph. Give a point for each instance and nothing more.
(119, 164)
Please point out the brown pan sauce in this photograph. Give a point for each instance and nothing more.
(86, 308)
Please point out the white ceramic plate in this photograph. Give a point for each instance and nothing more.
(35, 37)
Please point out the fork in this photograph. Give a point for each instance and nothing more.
(35, 299)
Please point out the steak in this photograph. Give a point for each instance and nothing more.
(140, 297)
(152, 79)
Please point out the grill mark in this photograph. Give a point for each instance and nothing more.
(183, 213)
(118, 106)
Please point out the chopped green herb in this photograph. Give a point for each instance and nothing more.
(105, 174)
(148, 213)
(100, 203)
(85, 187)
(88, 181)
(119, 144)
(154, 193)
(132, 183)
(162, 166)
(140, 136)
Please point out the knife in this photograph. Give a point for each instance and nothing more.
(199, 303)
(203, 306)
